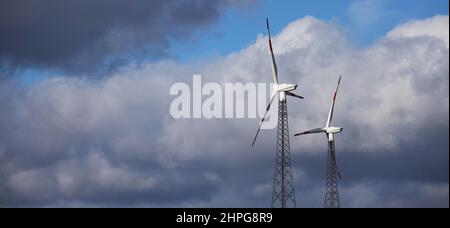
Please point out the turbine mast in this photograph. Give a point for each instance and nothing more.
(331, 190)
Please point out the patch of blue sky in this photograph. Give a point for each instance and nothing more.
(33, 76)
(364, 21)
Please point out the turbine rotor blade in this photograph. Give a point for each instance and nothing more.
(264, 117)
(330, 114)
(313, 131)
(294, 95)
(274, 64)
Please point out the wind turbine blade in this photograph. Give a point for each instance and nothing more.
(330, 114)
(264, 117)
(274, 64)
(313, 131)
(294, 95)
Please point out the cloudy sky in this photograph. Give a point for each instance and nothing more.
(84, 97)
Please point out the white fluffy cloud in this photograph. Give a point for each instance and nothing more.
(77, 139)
(431, 27)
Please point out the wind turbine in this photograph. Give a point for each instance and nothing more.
(283, 194)
(331, 194)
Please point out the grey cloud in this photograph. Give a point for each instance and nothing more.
(84, 35)
(396, 194)
(64, 141)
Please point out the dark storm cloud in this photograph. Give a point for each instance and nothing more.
(84, 34)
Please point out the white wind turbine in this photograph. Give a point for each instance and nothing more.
(283, 194)
(331, 195)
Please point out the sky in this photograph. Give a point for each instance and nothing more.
(84, 94)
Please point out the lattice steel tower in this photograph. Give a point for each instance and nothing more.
(283, 194)
(331, 192)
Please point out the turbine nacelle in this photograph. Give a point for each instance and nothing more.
(333, 130)
(284, 87)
